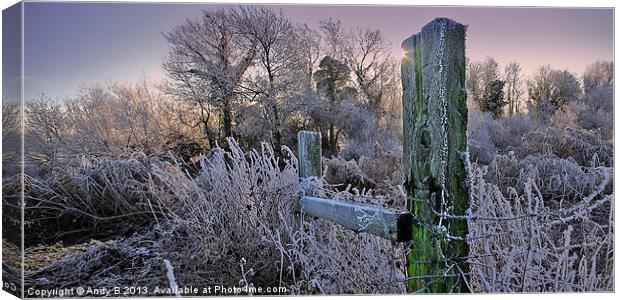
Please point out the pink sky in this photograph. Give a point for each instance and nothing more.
(72, 43)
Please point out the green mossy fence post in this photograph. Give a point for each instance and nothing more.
(434, 154)
(309, 151)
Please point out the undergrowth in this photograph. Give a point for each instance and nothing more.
(541, 223)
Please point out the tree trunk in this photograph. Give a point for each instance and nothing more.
(227, 114)
(209, 133)
(333, 143)
(277, 134)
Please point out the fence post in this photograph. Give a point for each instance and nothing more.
(434, 154)
(309, 150)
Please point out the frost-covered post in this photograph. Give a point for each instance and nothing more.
(435, 141)
(309, 150)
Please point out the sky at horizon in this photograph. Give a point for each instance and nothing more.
(68, 44)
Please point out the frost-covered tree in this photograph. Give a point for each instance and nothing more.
(332, 81)
(595, 107)
(207, 60)
(310, 43)
(332, 77)
(566, 87)
(493, 98)
(486, 86)
(598, 75)
(550, 89)
(472, 82)
(47, 130)
(280, 61)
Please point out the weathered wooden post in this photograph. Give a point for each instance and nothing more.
(309, 150)
(434, 144)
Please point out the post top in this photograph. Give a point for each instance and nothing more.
(409, 43)
(443, 21)
(307, 132)
(448, 23)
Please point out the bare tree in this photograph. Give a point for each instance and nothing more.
(513, 86)
(372, 66)
(335, 38)
(375, 73)
(206, 63)
(47, 130)
(472, 82)
(310, 43)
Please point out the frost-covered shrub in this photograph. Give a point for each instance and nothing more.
(11, 124)
(507, 132)
(94, 198)
(339, 171)
(364, 144)
(595, 110)
(361, 132)
(383, 166)
(584, 146)
(559, 180)
(237, 219)
(488, 136)
(109, 120)
(184, 150)
(479, 136)
(522, 242)
(355, 149)
(253, 127)
(383, 169)
(564, 118)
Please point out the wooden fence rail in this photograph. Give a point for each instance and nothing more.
(434, 159)
(386, 223)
